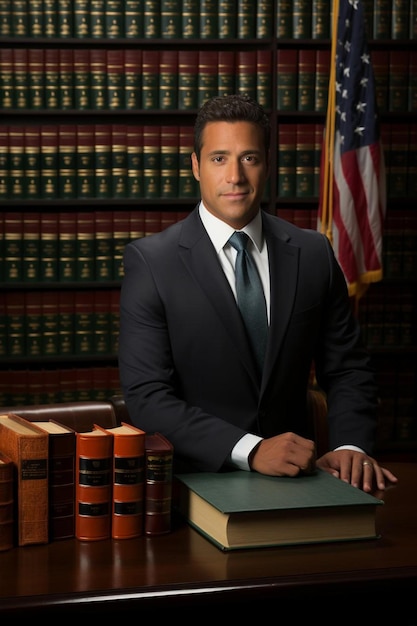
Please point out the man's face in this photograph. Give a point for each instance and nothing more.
(232, 171)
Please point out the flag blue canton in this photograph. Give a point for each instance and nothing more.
(355, 83)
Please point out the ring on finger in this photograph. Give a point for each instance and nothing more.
(367, 463)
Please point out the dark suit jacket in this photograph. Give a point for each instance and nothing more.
(185, 364)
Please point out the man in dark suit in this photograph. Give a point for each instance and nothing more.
(186, 366)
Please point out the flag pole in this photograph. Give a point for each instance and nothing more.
(327, 206)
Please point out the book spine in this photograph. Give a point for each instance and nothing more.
(121, 231)
(6, 78)
(29, 452)
(150, 79)
(187, 185)
(226, 21)
(134, 149)
(245, 28)
(287, 79)
(128, 486)
(171, 19)
(65, 17)
(82, 74)
(66, 323)
(158, 490)
(15, 324)
(50, 324)
(398, 80)
(61, 485)
(6, 503)
(264, 19)
(102, 160)
(84, 323)
(304, 172)
(20, 78)
(400, 16)
(246, 72)
(101, 322)
(49, 161)
(190, 20)
(132, 78)
(98, 19)
(31, 247)
(208, 21)
(51, 93)
(151, 19)
(32, 162)
(67, 247)
(306, 79)
(49, 242)
(321, 86)
(169, 162)
(381, 25)
(81, 19)
(36, 78)
(301, 19)
(225, 72)
(67, 161)
(114, 19)
(66, 79)
(13, 246)
(119, 161)
(133, 19)
(17, 161)
(168, 80)
(85, 246)
(85, 161)
(115, 79)
(98, 78)
(286, 160)
(207, 75)
(264, 78)
(94, 457)
(284, 27)
(33, 312)
(320, 19)
(151, 161)
(103, 246)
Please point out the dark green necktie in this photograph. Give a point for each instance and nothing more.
(250, 297)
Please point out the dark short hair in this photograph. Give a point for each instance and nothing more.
(232, 108)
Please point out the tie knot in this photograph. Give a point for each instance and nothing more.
(239, 240)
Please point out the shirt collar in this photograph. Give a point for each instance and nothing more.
(220, 232)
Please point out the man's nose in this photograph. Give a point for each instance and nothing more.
(234, 172)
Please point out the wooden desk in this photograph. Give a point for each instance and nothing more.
(184, 570)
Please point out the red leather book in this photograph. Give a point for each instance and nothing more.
(158, 484)
(128, 480)
(93, 492)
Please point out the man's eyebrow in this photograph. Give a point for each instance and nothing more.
(244, 153)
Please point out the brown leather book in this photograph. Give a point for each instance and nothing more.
(128, 480)
(61, 479)
(158, 484)
(94, 458)
(6, 502)
(27, 446)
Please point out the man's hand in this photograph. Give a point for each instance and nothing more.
(356, 468)
(284, 455)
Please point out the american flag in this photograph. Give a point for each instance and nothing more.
(353, 217)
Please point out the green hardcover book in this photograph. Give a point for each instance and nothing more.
(65, 17)
(103, 224)
(207, 75)
(33, 312)
(318, 148)
(20, 18)
(151, 19)
(245, 26)
(51, 93)
(187, 185)
(305, 158)
(82, 77)
(168, 79)
(31, 247)
(226, 75)
(49, 161)
(84, 322)
(17, 161)
(67, 247)
(264, 78)
(4, 170)
(101, 322)
(321, 83)
(114, 326)
(306, 79)
(132, 78)
(85, 161)
(16, 324)
(6, 25)
(50, 324)
(133, 19)
(32, 162)
(50, 18)
(284, 23)
(151, 161)
(400, 16)
(13, 246)
(171, 19)
(246, 72)
(150, 79)
(169, 161)
(98, 79)
(208, 20)
(134, 146)
(81, 9)
(226, 20)
(119, 161)
(398, 81)
(190, 19)
(98, 19)
(380, 64)
(36, 19)
(187, 79)
(239, 509)
(286, 160)
(412, 81)
(6, 78)
(301, 19)
(20, 78)
(115, 79)
(102, 160)
(320, 19)
(48, 266)
(121, 237)
(382, 19)
(114, 13)
(66, 323)
(398, 161)
(66, 79)
(67, 160)
(36, 78)
(287, 79)
(85, 246)
(264, 19)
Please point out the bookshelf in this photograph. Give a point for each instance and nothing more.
(98, 100)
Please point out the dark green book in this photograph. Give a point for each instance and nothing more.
(239, 509)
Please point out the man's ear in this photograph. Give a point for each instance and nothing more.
(195, 166)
